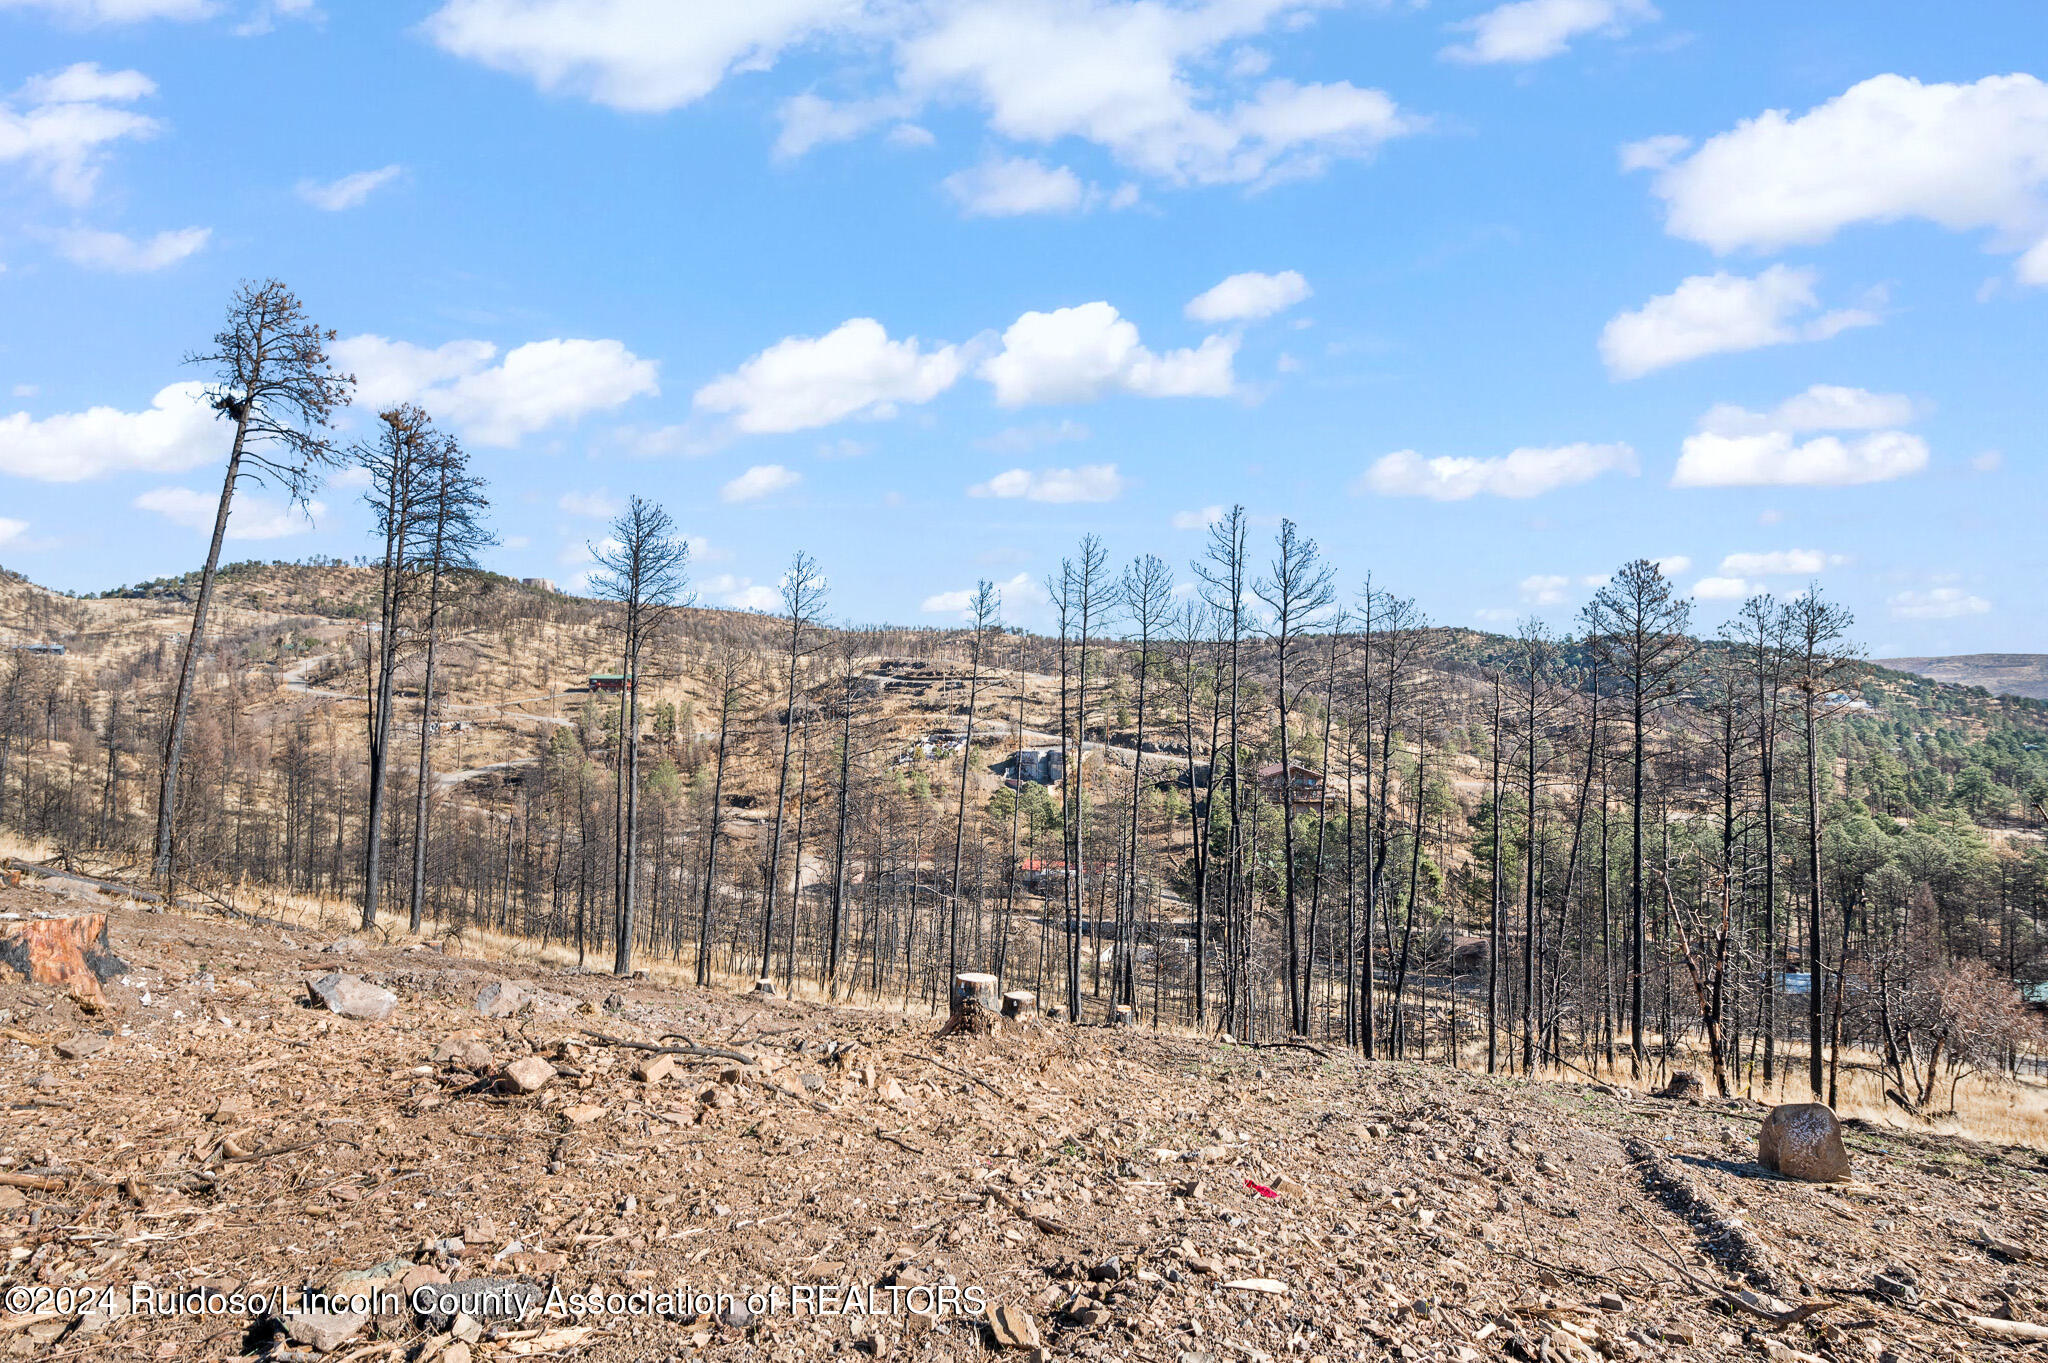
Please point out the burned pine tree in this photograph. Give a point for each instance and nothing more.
(453, 506)
(273, 380)
(643, 569)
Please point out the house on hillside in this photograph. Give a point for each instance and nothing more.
(608, 682)
(1301, 787)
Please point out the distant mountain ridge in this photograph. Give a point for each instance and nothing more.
(2002, 674)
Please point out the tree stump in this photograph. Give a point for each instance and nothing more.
(71, 952)
(975, 1004)
(1020, 1005)
(1056, 1013)
(1123, 1016)
(764, 985)
(1683, 1085)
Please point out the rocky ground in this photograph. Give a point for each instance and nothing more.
(1096, 1193)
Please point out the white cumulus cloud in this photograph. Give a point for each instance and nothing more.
(177, 432)
(1197, 520)
(1124, 76)
(536, 385)
(1012, 186)
(1533, 30)
(853, 370)
(1521, 473)
(1248, 297)
(1144, 80)
(1890, 148)
(10, 528)
(1779, 563)
(1545, 589)
(1722, 589)
(1739, 448)
(1937, 603)
(1088, 483)
(96, 250)
(646, 56)
(1720, 313)
(251, 517)
(1778, 459)
(1823, 407)
(762, 480)
(1079, 354)
(350, 191)
(60, 125)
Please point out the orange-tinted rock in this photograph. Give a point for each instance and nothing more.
(71, 952)
(1804, 1141)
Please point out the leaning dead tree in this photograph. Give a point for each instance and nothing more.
(273, 380)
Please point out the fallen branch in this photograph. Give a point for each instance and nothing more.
(1289, 1045)
(898, 1140)
(916, 1055)
(32, 1182)
(2006, 1329)
(695, 1052)
(256, 1155)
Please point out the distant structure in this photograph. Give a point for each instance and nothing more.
(539, 584)
(1302, 786)
(608, 681)
(56, 650)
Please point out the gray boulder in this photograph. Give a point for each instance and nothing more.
(502, 999)
(489, 1300)
(351, 997)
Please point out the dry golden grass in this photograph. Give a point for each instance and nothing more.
(1987, 1109)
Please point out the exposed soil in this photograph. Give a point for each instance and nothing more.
(1095, 1182)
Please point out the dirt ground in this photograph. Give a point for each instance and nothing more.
(880, 1192)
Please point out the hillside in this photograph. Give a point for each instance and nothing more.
(2002, 674)
(832, 845)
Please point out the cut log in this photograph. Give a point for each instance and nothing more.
(1020, 1005)
(1056, 1012)
(1123, 1016)
(71, 952)
(972, 990)
(974, 1004)
(764, 985)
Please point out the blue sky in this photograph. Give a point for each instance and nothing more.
(1489, 298)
